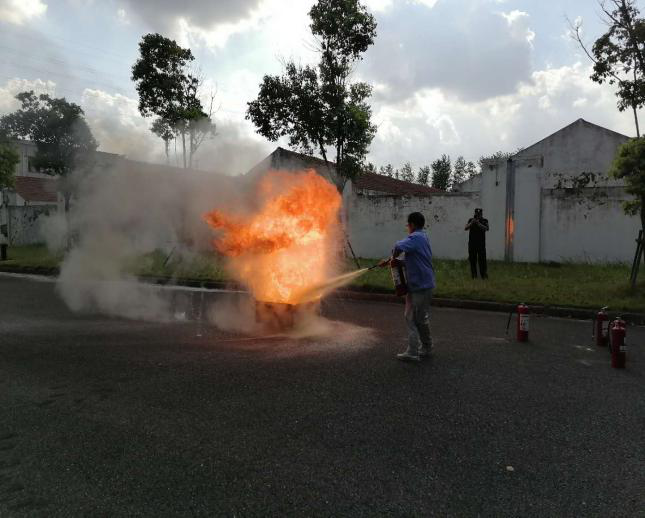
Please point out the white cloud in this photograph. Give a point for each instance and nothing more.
(8, 102)
(19, 11)
(119, 128)
(518, 22)
(430, 123)
(468, 50)
(122, 16)
(205, 18)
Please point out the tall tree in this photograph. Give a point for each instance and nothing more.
(618, 56)
(471, 170)
(168, 90)
(423, 175)
(64, 141)
(318, 108)
(9, 159)
(407, 174)
(441, 170)
(387, 170)
(459, 173)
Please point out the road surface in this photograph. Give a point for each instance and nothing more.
(102, 416)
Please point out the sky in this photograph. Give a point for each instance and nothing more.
(456, 77)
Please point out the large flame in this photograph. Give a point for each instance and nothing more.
(286, 246)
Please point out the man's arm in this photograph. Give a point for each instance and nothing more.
(483, 224)
(469, 224)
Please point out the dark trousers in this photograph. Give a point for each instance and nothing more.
(477, 254)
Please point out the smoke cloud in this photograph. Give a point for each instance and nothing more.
(121, 214)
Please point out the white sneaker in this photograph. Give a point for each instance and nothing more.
(407, 357)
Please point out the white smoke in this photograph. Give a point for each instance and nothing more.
(119, 215)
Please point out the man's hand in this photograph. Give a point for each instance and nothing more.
(384, 262)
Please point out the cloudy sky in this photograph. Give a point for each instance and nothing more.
(462, 77)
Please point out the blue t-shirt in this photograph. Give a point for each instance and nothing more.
(418, 260)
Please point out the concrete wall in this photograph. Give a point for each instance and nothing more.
(23, 223)
(579, 147)
(493, 202)
(375, 223)
(589, 226)
(527, 210)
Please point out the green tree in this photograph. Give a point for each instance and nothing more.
(407, 174)
(387, 170)
(9, 159)
(423, 175)
(459, 173)
(64, 141)
(471, 170)
(441, 171)
(318, 108)
(168, 90)
(629, 165)
(618, 56)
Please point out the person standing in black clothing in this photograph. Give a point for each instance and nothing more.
(477, 227)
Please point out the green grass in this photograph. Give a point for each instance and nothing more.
(574, 285)
(566, 284)
(32, 256)
(200, 267)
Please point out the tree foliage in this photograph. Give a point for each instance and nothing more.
(169, 91)
(459, 173)
(618, 55)
(407, 174)
(423, 175)
(388, 170)
(318, 108)
(441, 169)
(9, 159)
(629, 165)
(495, 157)
(63, 139)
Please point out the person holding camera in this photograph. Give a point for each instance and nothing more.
(477, 227)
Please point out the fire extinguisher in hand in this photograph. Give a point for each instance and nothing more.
(399, 277)
(600, 330)
(522, 322)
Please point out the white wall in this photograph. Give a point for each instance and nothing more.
(377, 222)
(493, 203)
(579, 228)
(24, 222)
(526, 243)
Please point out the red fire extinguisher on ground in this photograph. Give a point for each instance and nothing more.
(522, 322)
(601, 328)
(399, 278)
(618, 346)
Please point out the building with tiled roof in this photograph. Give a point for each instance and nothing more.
(378, 184)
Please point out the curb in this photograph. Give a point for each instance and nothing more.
(358, 293)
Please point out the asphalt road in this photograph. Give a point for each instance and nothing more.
(110, 417)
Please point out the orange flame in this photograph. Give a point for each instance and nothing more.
(287, 246)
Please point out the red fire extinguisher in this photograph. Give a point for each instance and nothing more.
(399, 278)
(618, 347)
(601, 328)
(522, 322)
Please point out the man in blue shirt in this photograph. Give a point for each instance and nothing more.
(421, 281)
